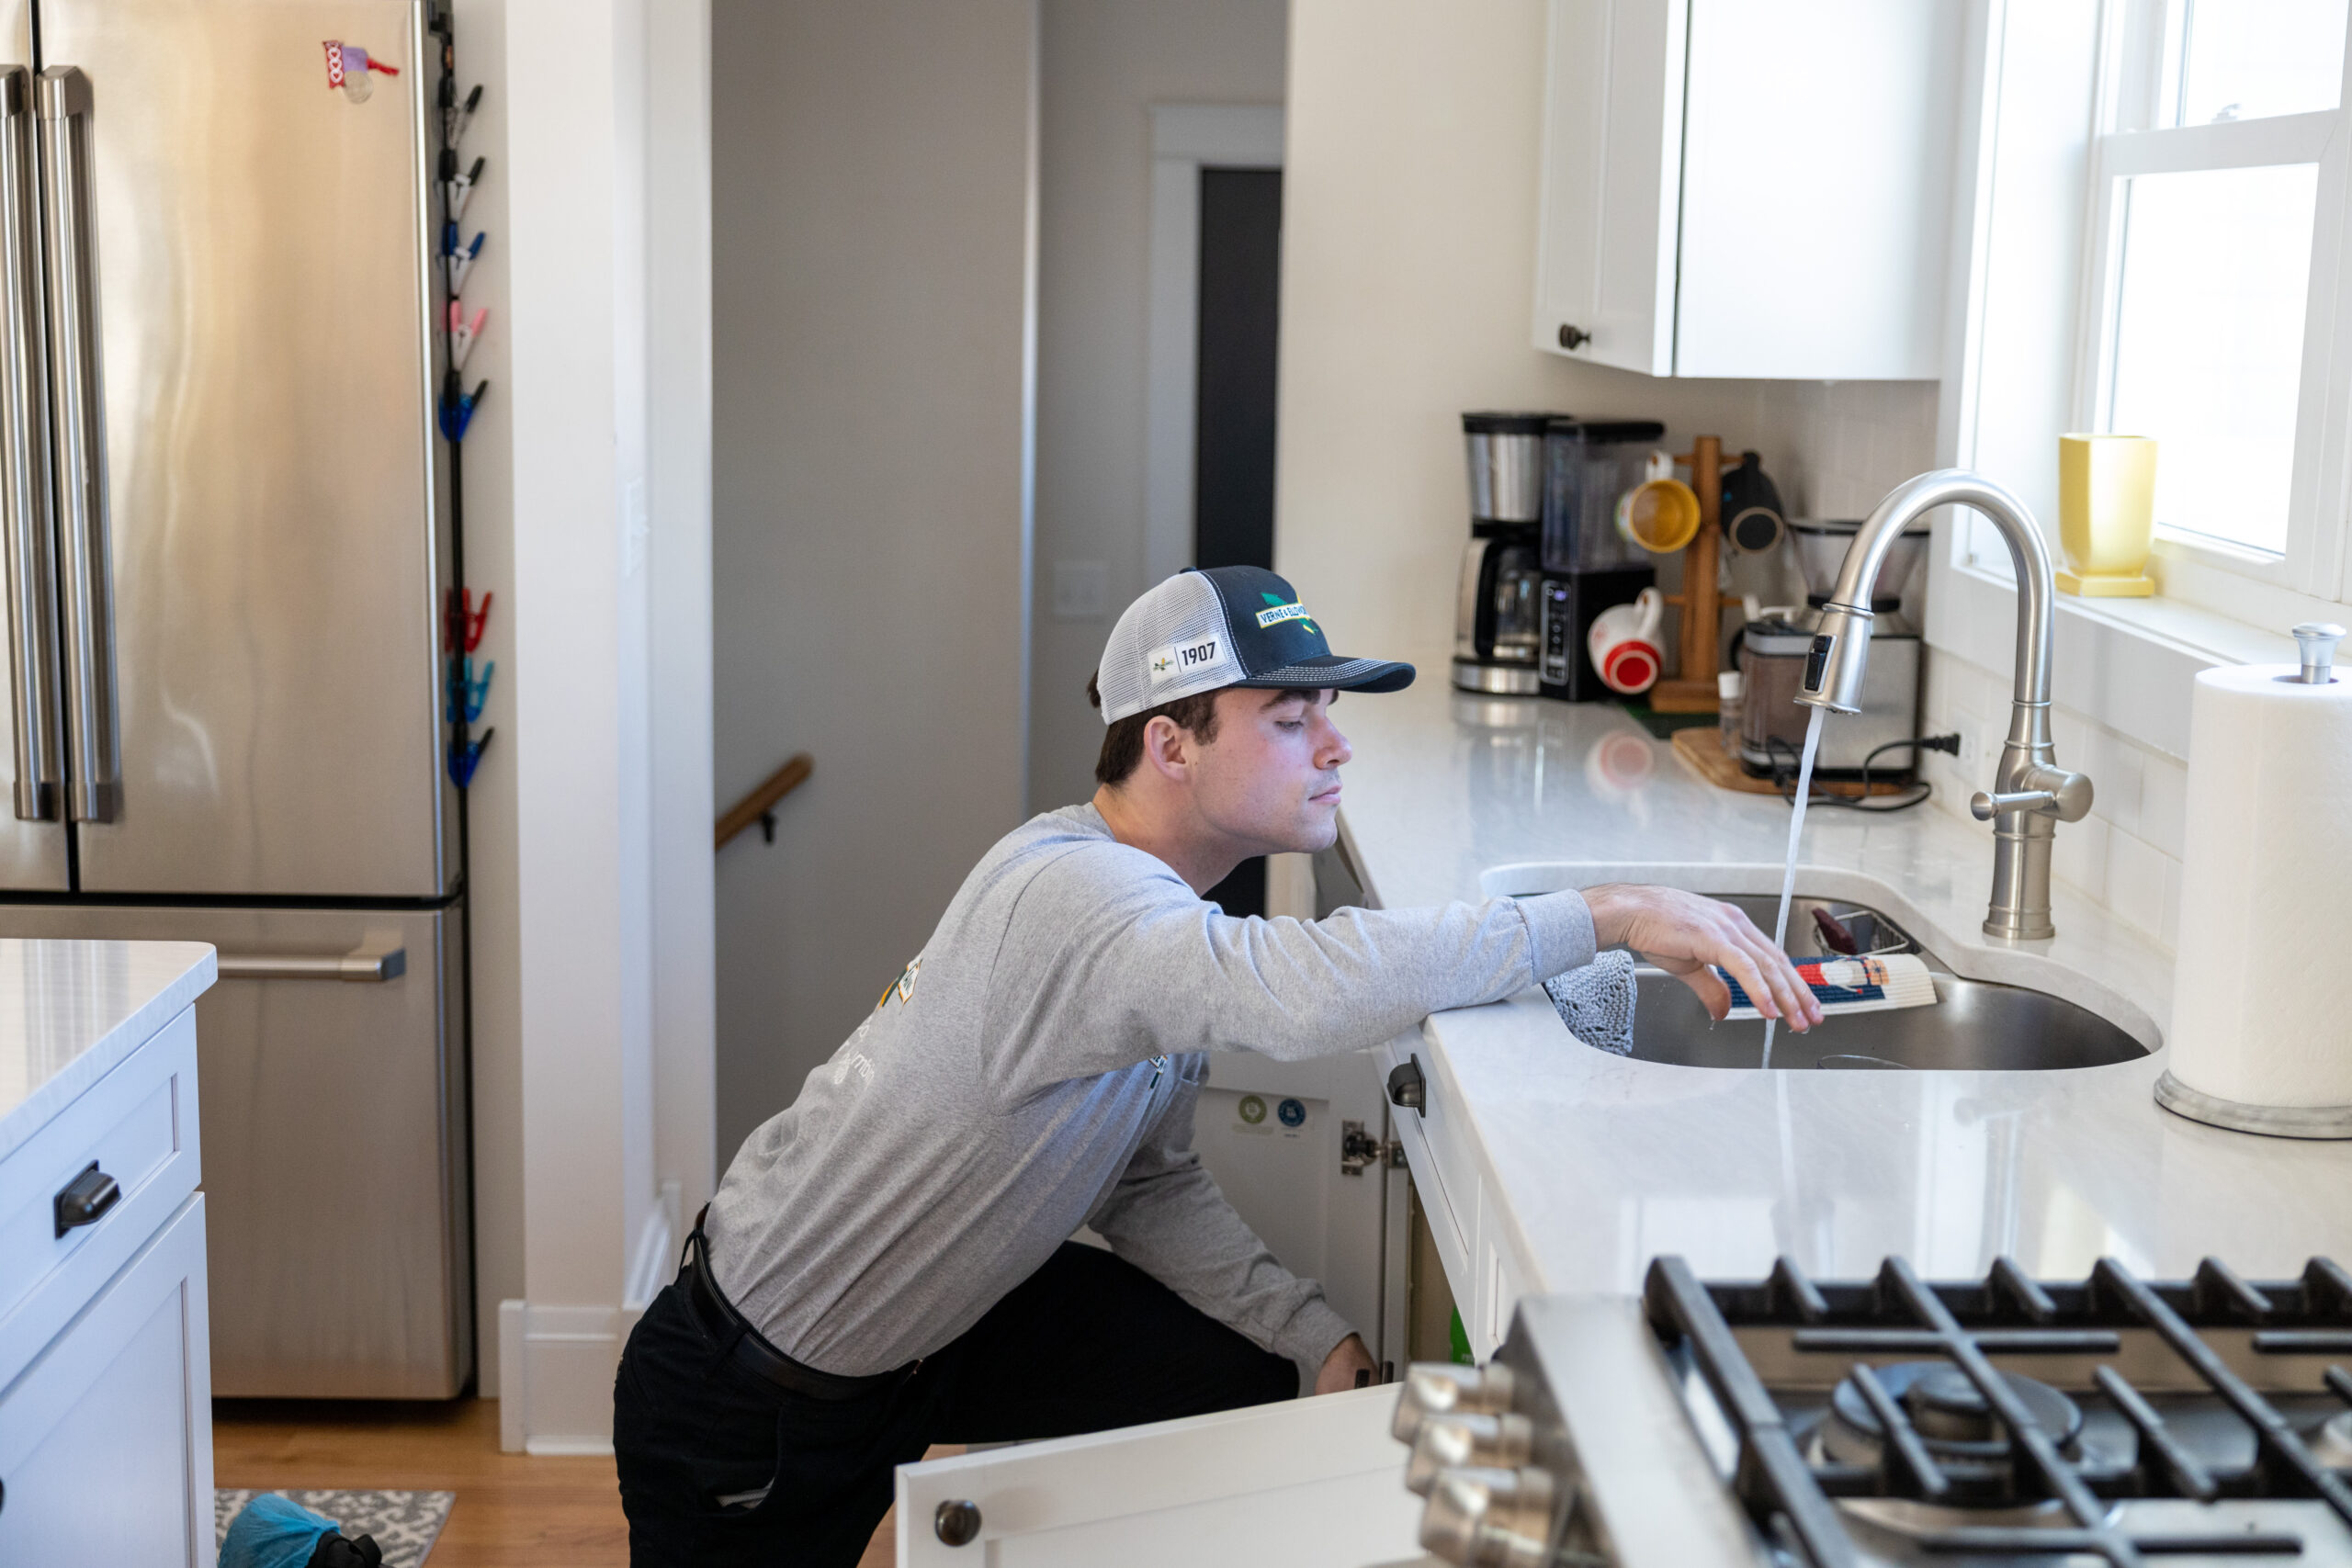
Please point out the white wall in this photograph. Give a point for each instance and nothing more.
(874, 279)
(1103, 64)
(587, 514)
(1408, 246)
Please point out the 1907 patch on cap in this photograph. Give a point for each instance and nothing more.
(1226, 626)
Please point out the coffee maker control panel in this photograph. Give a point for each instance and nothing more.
(1556, 653)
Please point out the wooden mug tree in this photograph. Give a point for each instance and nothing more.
(1701, 602)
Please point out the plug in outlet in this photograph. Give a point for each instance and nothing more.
(1971, 743)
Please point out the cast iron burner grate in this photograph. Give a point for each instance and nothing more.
(1897, 1315)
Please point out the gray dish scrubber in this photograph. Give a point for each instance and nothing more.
(1597, 1002)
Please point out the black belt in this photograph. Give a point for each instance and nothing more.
(749, 1350)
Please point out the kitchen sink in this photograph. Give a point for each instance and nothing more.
(1975, 1026)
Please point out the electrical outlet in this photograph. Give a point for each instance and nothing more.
(1972, 741)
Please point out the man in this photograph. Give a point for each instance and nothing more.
(888, 1262)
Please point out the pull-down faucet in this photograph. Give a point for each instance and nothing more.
(2032, 794)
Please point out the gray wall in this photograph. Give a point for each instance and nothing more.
(872, 294)
(1104, 64)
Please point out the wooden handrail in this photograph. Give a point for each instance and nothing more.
(760, 804)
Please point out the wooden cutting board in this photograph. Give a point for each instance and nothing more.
(1701, 750)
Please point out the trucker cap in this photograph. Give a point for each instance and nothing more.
(1205, 629)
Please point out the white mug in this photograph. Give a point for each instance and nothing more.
(1624, 643)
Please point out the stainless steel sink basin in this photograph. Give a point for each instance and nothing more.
(1975, 1026)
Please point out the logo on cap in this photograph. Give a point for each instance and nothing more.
(1281, 612)
(1180, 661)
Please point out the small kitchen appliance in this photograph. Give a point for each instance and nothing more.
(1497, 630)
(1590, 566)
(1773, 654)
(1892, 1421)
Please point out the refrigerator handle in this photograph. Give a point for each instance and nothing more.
(27, 528)
(77, 417)
(371, 961)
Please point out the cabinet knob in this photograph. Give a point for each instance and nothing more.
(1573, 337)
(1406, 1087)
(957, 1522)
(85, 1199)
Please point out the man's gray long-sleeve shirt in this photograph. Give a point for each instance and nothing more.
(1035, 1067)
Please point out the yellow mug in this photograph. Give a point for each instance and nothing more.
(1661, 514)
(2106, 514)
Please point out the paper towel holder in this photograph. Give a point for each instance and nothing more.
(2316, 640)
(2271, 1121)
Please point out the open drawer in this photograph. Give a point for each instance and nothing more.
(1314, 1484)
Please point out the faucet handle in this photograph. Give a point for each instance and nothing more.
(2066, 796)
(2317, 639)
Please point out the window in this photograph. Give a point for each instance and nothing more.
(2216, 203)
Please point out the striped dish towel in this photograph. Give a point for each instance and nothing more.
(1855, 985)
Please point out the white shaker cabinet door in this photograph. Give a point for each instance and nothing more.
(1756, 188)
(1612, 181)
(106, 1440)
(1816, 188)
(1313, 1484)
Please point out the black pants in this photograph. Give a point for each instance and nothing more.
(1086, 1343)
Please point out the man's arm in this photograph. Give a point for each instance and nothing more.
(1105, 967)
(1166, 1216)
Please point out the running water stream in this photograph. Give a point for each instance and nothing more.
(1796, 831)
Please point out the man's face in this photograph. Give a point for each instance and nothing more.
(1271, 779)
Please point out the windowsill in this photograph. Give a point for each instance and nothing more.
(2128, 664)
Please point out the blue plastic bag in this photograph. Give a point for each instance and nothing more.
(273, 1532)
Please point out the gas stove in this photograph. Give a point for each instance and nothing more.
(1999, 1421)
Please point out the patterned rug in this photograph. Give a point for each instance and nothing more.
(405, 1524)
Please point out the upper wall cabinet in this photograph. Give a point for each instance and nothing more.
(1748, 187)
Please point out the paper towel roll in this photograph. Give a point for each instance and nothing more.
(2259, 1013)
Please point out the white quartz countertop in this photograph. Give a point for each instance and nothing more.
(1591, 1164)
(70, 1010)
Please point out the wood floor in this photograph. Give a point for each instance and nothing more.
(513, 1511)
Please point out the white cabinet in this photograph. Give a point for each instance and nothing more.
(106, 1441)
(1748, 187)
(1318, 1482)
(105, 1385)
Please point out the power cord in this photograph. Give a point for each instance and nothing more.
(1865, 802)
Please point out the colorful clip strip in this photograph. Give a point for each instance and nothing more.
(468, 695)
(456, 416)
(462, 624)
(463, 333)
(455, 263)
(464, 759)
(458, 188)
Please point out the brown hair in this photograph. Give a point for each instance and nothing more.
(1123, 742)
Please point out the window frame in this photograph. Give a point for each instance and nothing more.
(2138, 60)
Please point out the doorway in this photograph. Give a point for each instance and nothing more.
(1233, 420)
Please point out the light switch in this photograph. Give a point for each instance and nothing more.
(1081, 590)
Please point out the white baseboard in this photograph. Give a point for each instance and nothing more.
(556, 1376)
(556, 1363)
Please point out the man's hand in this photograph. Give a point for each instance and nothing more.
(1686, 935)
(1340, 1367)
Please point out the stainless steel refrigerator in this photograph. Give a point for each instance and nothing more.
(225, 525)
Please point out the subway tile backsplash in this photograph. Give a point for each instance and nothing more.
(2126, 853)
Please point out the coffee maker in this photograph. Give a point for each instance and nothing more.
(1495, 627)
(1590, 564)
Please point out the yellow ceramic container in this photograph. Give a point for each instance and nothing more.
(2106, 514)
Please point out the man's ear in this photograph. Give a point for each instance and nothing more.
(1167, 746)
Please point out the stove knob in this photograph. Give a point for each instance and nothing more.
(1441, 1388)
(1489, 1518)
(1452, 1442)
